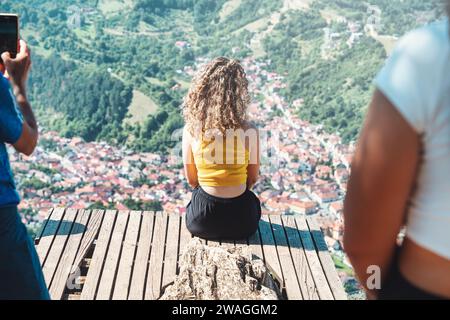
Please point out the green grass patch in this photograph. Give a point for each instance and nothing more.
(340, 265)
(228, 8)
(140, 108)
(108, 7)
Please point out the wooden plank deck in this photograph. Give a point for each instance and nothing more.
(134, 255)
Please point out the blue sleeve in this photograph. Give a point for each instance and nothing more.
(11, 120)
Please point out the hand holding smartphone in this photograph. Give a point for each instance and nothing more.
(15, 59)
(9, 35)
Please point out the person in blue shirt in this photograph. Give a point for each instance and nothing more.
(20, 269)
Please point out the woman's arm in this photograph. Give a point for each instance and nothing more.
(17, 70)
(384, 171)
(253, 145)
(190, 170)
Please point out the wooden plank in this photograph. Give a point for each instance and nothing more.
(58, 245)
(153, 288)
(171, 254)
(127, 257)
(44, 225)
(66, 266)
(185, 238)
(289, 276)
(98, 258)
(49, 233)
(327, 262)
(142, 257)
(255, 246)
(109, 272)
(90, 234)
(304, 275)
(270, 251)
(313, 260)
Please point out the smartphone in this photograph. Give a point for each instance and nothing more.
(9, 34)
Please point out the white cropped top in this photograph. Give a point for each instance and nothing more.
(416, 79)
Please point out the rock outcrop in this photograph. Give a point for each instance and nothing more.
(215, 273)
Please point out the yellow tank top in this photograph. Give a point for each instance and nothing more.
(221, 163)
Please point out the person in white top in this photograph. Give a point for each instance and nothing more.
(401, 174)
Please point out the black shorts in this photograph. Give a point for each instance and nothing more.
(397, 287)
(212, 218)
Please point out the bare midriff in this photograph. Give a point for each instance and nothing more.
(425, 269)
(225, 192)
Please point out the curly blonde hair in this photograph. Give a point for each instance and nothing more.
(218, 98)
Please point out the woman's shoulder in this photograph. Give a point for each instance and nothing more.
(251, 130)
(187, 135)
(250, 125)
(427, 45)
(414, 77)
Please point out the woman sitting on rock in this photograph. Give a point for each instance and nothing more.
(221, 154)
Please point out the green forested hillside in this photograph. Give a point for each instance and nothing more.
(337, 89)
(92, 57)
